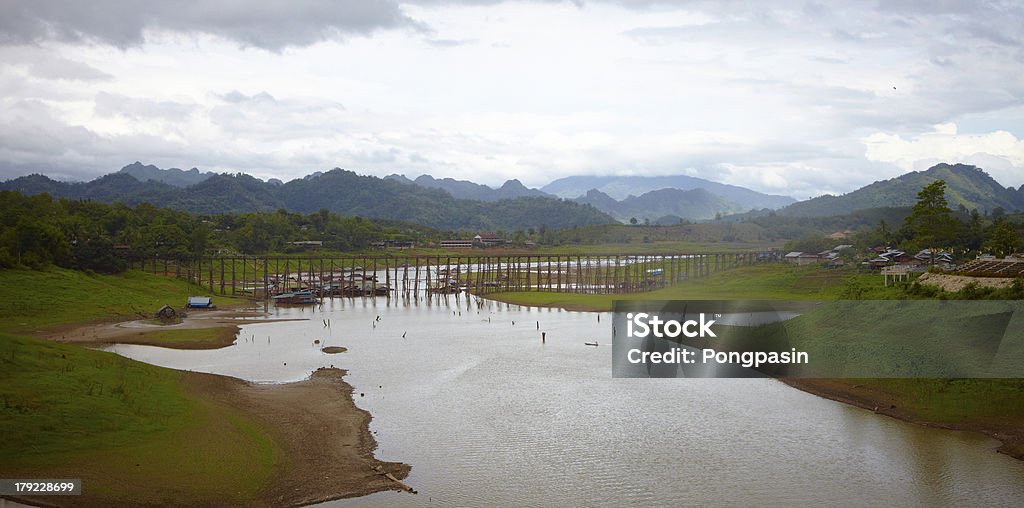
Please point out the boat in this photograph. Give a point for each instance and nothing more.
(590, 344)
(295, 298)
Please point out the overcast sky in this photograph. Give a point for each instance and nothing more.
(797, 98)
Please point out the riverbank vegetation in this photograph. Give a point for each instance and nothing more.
(40, 300)
(133, 432)
(766, 281)
(146, 435)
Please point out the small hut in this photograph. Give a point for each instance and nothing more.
(167, 314)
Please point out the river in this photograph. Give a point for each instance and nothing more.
(488, 414)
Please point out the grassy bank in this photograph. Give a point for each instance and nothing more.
(138, 434)
(39, 300)
(133, 432)
(770, 281)
(994, 407)
(186, 338)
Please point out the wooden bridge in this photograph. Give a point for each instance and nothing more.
(416, 277)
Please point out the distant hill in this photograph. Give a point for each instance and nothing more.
(965, 185)
(171, 176)
(621, 187)
(464, 189)
(107, 188)
(662, 204)
(338, 190)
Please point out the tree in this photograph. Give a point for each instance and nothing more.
(931, 222)
(633, 221)
(1004, 239)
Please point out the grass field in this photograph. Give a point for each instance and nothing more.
(186, 338)
(133, 432)
(770, 281)
(36, 300)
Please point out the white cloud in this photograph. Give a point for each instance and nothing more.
(795, 98)
(999, 152)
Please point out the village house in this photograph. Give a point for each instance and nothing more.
(309, 244)
(481, 240)
(489, 240)
(801, 258)
(456, 244)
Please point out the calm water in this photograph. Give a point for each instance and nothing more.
(488, 415)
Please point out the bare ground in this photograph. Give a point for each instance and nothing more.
(326, 437)
(954, 283)
(141, 331)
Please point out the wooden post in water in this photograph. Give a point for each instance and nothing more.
(416, 278)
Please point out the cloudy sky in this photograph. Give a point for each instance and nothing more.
(797, 98)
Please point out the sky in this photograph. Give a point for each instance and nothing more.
(793, 98)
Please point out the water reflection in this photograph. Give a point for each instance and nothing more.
(488, 414)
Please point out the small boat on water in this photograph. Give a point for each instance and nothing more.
(590, 344)
(295, 298)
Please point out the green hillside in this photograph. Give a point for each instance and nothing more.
(965, 185)
(338, 190)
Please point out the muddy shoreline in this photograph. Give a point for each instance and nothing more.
(325, 436)
(847, 392)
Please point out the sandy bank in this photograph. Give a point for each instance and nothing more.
(326, 438)
(866, 397)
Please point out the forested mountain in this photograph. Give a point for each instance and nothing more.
(464, 189)
(339, 191)
(621, 187)
(696, 204)
(171, 176)
(965, 185)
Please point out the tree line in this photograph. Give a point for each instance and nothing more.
(39, 231)
(932, 224)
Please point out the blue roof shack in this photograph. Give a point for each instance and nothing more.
(200, 302)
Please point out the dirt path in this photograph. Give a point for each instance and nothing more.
(146, 332)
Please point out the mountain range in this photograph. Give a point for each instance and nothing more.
(464, 189)
(655, 205)
(338, 190)
(622, 197)
(170, 176)
(458, 204)
(622, 187)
